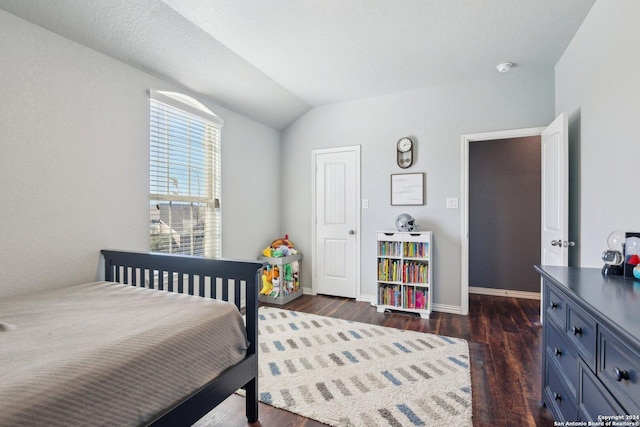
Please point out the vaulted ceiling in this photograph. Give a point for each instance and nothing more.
(273, 60)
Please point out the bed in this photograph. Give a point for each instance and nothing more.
(141, 351)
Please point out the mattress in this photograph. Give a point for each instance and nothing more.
(109, 354)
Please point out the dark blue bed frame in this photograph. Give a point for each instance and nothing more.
(188, 275)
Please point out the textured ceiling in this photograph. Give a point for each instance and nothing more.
(273, 60)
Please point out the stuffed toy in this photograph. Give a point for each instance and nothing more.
(267, 286)
(288, 272)
(275, 287)
(270, 276)
(282, 242)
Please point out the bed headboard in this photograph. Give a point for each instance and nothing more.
(211, 278)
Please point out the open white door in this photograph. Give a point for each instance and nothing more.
(337, 221)
(555, 193)
(555, 197)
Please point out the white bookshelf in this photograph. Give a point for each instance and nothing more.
(404, 272)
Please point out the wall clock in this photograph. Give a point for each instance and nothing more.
(404, 150)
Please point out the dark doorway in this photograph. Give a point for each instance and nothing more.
(504, 213)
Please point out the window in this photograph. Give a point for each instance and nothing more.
(184, 176)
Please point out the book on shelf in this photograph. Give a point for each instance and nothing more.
(403, 297)
(416, 249)
(415, 272)
(389, 248)
(390, 295)
(389, 270)
(421, 298)
(409, 297)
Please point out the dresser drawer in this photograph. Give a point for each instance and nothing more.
(559, 350)
(556, 394)
(581, 330)
(593, 398)
(556, 308)
(619, 370)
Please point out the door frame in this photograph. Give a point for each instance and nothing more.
(464, 191)
(314, 255)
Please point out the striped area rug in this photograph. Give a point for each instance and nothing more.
(346, 373)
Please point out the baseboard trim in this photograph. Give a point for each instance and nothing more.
(504, 293)
(371, 299)
(446, 308)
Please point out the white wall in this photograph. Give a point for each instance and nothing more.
(597, 84)
(435, 118)
(74, 131)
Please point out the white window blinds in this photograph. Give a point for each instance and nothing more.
(184, 176)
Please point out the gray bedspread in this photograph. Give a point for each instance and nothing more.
(109, 354)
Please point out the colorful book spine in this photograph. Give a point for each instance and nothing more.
(416, 249)
(390, 295)
(421, 300)
(389, 248)
(415, 272)
(409, 297)
(390, 270)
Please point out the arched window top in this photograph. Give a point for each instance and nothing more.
(187, 103)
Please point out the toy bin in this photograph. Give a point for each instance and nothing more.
(281, 278)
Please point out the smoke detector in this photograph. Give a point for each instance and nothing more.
(504, 67)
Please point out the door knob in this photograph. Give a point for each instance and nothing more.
(562, 244)
(352, 232)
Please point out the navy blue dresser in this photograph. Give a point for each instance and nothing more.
(591, 345)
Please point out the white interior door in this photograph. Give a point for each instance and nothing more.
(555, 193)
(555, 197)
(337, 217)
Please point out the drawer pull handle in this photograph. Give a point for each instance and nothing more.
(576, 330)
(557, 352)
(620, 375)
(554, 305)
(557, 397)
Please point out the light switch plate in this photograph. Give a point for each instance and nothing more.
(452, 203)
(365, 203)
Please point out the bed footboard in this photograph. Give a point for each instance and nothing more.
(228, 280)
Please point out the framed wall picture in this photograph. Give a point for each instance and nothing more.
(407, 189)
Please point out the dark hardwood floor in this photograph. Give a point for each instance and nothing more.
(505, 339)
